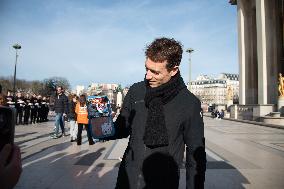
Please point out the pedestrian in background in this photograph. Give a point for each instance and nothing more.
(222, 114)
(61, 110)
(20, 103)
(82, 120)
(34, 109)
(39, 109)
(45, 107)
(27, 109)
(10, 102)
(72, 117)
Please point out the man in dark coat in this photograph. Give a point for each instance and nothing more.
(61, 110)
(164, 120)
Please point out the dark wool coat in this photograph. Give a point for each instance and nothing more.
(71, 113)
(184, 123)
(61, 104)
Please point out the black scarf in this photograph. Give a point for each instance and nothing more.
(156, 134)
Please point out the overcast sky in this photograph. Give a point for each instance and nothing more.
(104, 40)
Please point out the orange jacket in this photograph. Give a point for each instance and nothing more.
(82, 114)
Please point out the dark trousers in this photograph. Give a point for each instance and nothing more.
(39, 115)
(79, 134)
(19, 116)
(33, 115)
(45, 114)
(26, 116)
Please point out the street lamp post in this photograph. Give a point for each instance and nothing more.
(189, 50)
(16, 46)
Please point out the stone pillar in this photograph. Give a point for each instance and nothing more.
(269, 50)
(274, 37)
(247, 51)
(242, 52)
(261, 51)
(234, 112)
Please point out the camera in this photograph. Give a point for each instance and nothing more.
(7, 125)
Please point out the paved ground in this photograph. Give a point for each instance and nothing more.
(239, 156)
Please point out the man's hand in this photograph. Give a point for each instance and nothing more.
(10, 171)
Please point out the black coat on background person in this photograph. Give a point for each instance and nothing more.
(39, 110)
(184, 124)
(27, 110)
(10, 102)
(45, 109)
(61, 104)
(20, 104)
(71, 113)
(34, 110)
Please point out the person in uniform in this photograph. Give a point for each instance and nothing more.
(10, 102)
(27, 109)
(33, 109)
(39, 109)
(20, 103)
(45, 109)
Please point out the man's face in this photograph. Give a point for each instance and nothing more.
(157, 73)
(59, 90)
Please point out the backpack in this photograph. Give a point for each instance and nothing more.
(100, 117)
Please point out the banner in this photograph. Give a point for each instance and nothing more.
(100, 117)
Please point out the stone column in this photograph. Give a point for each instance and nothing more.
(274, 37)
(269, 50)
(247, 51)
(241, 51)
(261, 51)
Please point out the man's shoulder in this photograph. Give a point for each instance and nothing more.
(137, 91)
(189, 98)
(139, 86)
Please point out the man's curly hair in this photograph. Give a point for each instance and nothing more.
(165, 49)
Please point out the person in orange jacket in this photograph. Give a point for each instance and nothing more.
(82, 120)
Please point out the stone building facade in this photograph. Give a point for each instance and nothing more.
(215, 90)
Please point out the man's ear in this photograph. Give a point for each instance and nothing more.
(174, 71)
